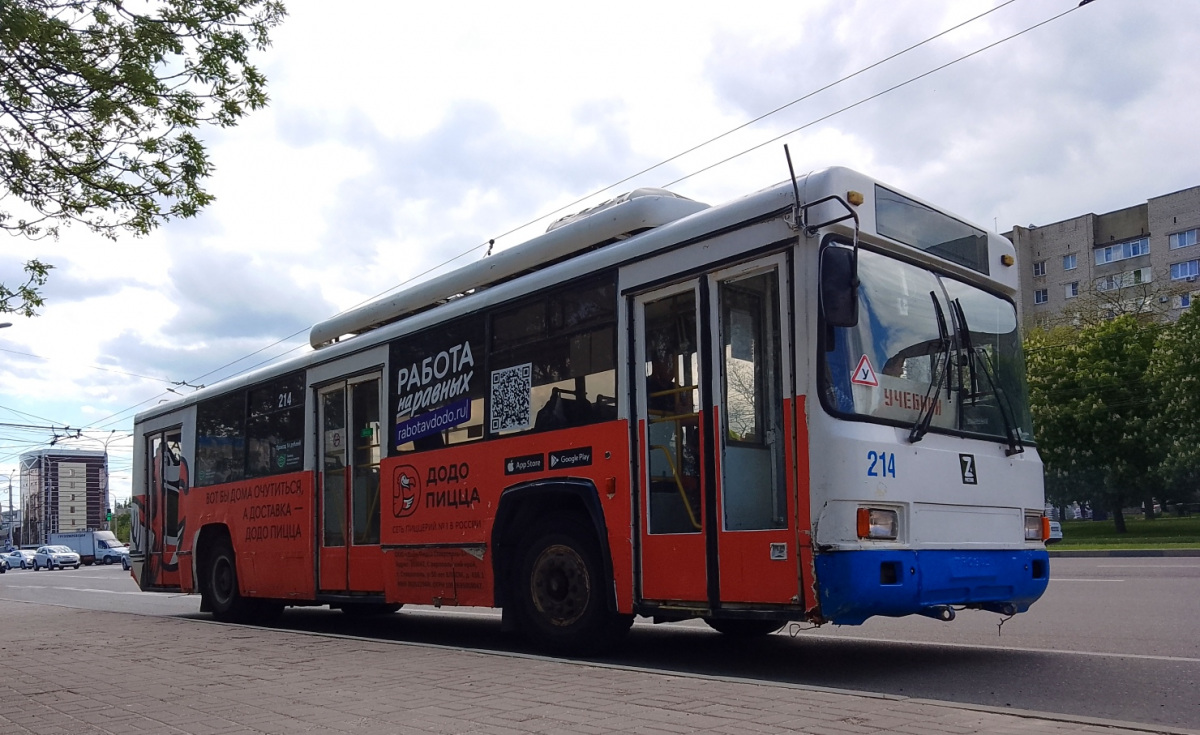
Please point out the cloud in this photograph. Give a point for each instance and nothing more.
(223, 295)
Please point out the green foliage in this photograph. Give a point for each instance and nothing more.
(1175, 371)
(1115, 407)
(99, 101)
(26, 298)
(1091, 402)
(121, 526)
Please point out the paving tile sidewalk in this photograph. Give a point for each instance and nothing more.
(76, 672)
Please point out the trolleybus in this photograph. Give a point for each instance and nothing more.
(806, 404)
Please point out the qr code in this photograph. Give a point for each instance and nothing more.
(511, 388)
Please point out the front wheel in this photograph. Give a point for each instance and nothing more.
(559, 589)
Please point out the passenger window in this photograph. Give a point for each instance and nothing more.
(552, 360)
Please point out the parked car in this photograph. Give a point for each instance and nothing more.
(18, 558)
(55, 557)
(1055, 532)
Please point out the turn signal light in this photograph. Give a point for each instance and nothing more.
(877, 523)
(1037, 528)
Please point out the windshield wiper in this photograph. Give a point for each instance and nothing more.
(929, 405)
(1015, 446)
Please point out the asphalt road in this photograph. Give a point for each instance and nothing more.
(1112, 638)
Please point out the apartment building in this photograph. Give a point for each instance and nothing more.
(62, 490)
(1144, 258)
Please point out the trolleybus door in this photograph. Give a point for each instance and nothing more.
(348, 465)
(673, 500)
(753, 426)
(158, 533)
(713, 392)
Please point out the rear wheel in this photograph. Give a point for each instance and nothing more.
(221, 592)
(743, 628)
(558, 591)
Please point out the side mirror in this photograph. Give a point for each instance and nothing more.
(839, 287)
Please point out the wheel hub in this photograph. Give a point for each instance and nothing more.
(560, 585)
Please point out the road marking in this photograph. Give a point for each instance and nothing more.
(1149, 566)
(1067, 579)
(83, 589)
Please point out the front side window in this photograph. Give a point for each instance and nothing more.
(928, 353)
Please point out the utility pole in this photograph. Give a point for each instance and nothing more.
(11, 513)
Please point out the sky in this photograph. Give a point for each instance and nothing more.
(401, 139)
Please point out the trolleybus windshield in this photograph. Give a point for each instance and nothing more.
(930, 353)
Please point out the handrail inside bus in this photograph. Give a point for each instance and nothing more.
(678, 484)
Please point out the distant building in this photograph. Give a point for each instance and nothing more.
(62, 490)
(1150, 249)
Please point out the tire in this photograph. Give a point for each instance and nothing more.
(76, 566)
(221, 586)
(743, 628)
(223, 596)
(559, 589)
(107, 561)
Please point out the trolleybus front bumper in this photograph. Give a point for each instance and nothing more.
(856, 585)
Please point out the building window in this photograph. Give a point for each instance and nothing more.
(1124, 280)
(1185, 300)
(1123, 251)
(1072, 289)
(1184, 239)
(1041, 296)
(1190, 269)
(1039, 268)
(1069, 262)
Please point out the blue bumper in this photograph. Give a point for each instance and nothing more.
(855, 585)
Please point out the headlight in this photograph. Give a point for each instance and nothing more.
(1034, 530)
(877, 523)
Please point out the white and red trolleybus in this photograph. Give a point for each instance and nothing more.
(805, 404)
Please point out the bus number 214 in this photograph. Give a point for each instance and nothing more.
(881, 464)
